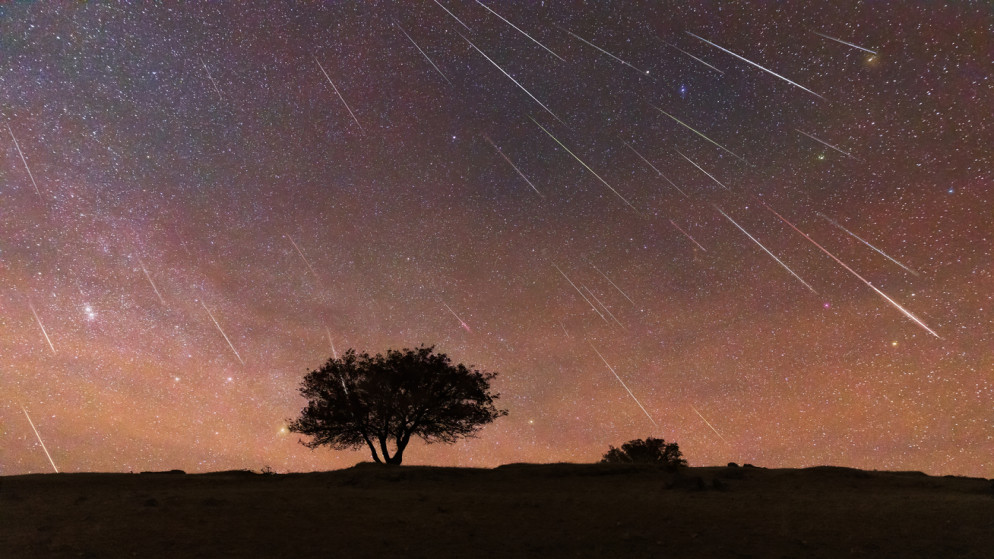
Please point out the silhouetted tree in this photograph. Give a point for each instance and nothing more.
(648, 451)
(358, 399)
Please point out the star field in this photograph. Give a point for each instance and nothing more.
(761, 230)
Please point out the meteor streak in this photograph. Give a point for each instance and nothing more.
(688, 127)
(702, 170)
(610, 368)
(302, 257)
(825, 143)
(587, 167)
(235, 351)
(23, 160)
(211, 78)
(422, 52)
(653, 167)
(686, 234)
(515, 167)
(337, 93)
(695, 58)
(520, 31)
(39, 439)
(453, 16)
(843, 42)
(603, 306)
(42, 326)
(330, 342)
(892, 302)
(785, 267)
(612, 283)
(580, 292)
(860, 239)
(795, 84)
(150, 282)
(512, 79)
(709, 424)
(461, 323)
(604, 51)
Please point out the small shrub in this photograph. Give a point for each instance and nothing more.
(648, 451)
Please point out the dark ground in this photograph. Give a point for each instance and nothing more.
(522, 510)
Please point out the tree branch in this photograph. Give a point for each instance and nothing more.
(372, 449)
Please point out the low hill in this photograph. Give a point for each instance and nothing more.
(518, 510)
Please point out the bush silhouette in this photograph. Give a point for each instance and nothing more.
(358, 399)
(648, 451)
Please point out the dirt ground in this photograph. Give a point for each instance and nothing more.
(522, 510)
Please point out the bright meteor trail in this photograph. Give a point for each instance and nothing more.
(686, 234)
(610, 368)
(347, 107)
(461, 321)
(860, 239)
(580, 292)
(515, 167)
(823, 142)
(603, 306)
(302, 257)
(701, 169)
(709, 424)
(23, 160)
(42, 326)
(893, 303)
(41, 442)
(844, 42)
(604, 51)
(767, 70)
(331, 342)
(516, 28)
(211, 78)
(694, 130)
(453, 16)
(512, 79)
(235, 351)
(695, 58)
(785, 267)
(613, 284)
(623, 199)
(422, 52)
(653, 167)
(150, 282)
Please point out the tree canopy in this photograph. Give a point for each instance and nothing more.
(358, 399)
(648, 451)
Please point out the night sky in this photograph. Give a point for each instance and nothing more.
(762, 231)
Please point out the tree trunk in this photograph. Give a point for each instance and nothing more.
(372, 450)
(376, 457)
(402, 441)
(397, 457)
(386, 453)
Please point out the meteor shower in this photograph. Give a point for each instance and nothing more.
(763, 230)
